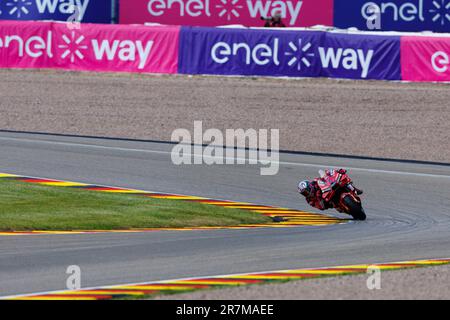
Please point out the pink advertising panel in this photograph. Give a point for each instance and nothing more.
(90, 47)
(296, 13)
(425, 58)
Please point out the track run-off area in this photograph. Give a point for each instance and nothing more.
(407, 206)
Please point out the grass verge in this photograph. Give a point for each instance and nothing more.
(25, 207)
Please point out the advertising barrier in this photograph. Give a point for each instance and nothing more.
(223, 51)
(361, 56)
(425, 58)
(93, 47)
(395, 15)
(248, 52)
(296, 13)
(392, 15)
(288, 53)
(98, 11)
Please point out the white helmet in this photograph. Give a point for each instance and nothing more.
(304, 188)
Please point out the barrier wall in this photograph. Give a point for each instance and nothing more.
(395, 15)
(297, 13)
(98, 11)
(223, 51)
(94, 47)
(288, 53)
(425, 58)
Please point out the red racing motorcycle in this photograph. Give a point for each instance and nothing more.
(337, 190)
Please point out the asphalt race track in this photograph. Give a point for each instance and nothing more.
(408, 207)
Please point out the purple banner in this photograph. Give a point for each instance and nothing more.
(288, 53)
(361, 56)
(393, 15)
(249, 52)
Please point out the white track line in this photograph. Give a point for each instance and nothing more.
(299, 164)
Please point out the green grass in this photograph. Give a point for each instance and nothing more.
(25, 206)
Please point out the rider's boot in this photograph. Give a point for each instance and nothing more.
(353, 188)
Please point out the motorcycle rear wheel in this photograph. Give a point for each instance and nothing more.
(356, 210)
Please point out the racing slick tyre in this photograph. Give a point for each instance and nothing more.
(356, 210)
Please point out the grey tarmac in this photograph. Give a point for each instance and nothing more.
(407, 206)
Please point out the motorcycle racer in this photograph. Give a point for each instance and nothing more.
(312, 190)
